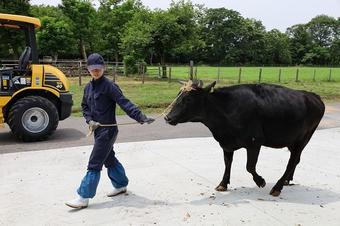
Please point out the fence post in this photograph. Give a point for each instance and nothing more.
(239, 75)
(280, 75)
(79, 72)
(218, 74)
(114, 72)
(297, 75)
(191, 72)
(195, 72)
(260, 75)
(159, 72)
(330, 74)
(314, 75)
(143, 73)
(169, 80)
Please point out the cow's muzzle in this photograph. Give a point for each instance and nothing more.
(169, 120)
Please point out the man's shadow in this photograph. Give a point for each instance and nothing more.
(298, 194)
(127, 200)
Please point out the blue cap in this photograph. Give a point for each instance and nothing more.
(95, 61)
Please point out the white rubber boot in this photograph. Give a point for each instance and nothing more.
(117, 191)
(78, 203)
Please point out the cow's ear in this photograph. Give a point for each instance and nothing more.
(210, 87)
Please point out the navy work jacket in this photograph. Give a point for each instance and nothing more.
(99, 102)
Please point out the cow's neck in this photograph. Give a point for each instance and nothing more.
(216, 117)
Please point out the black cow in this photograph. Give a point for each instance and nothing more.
(249, 116)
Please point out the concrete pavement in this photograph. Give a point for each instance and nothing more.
(172, 183)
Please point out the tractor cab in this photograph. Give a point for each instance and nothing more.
(33, 96)
(11, 74)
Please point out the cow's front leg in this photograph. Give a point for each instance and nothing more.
(228, 159)
(252, 156)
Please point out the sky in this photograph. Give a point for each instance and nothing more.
(273, 13)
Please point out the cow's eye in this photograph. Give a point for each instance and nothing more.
(187, 100)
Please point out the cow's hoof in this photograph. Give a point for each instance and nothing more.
(275, 193)
(287, 183)
(221, 188)
(261, 183)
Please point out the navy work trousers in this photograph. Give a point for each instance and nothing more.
(103, 154)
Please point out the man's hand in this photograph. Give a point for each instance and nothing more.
(147, 120)
(93, 125)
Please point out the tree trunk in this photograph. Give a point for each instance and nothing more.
(116, 64)
(83, 49)
(151, 58)
(116, 57)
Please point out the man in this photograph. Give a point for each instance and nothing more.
(99, 105)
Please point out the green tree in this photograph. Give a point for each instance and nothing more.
(136, 40)
(113, 16)
(55, 37)
(12, 40)
(174, 31)
(277, 48)
(82, 16)
(187, 16)
(40, 11)
(324, 30)
(248, 46)
(20, 7)
(221, 31)
(166, 34)
(300, 43)
(335, 52)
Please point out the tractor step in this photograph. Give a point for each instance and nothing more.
(6, 93)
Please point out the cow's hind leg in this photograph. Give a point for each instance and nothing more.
(295, 155)
(252, 156)
(293, 161)
(301, 145)
(228, 159)
(291, 175)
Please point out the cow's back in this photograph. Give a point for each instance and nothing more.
(281, 115)
(287, 115)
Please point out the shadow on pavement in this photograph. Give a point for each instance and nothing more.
(62, 138)
(298, 194)
(65, 134)
(129, 200)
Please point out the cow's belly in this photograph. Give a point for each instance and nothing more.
(279, 135)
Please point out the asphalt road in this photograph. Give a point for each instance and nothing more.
(72, 132)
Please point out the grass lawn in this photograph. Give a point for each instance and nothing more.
(251, 74)
(156, 94)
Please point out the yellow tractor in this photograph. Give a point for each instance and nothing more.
(33, 96)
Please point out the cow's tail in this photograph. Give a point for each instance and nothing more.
(316, 107)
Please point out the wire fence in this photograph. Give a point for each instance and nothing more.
(171, 73)
(236, 75)
(73, 68)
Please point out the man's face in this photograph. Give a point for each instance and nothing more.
(97, 73)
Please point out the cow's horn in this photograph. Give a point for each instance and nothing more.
(210, 87)
(200, 84)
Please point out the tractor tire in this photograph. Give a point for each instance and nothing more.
(33, 118)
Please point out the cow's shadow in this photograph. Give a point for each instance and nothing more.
(299, 194)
